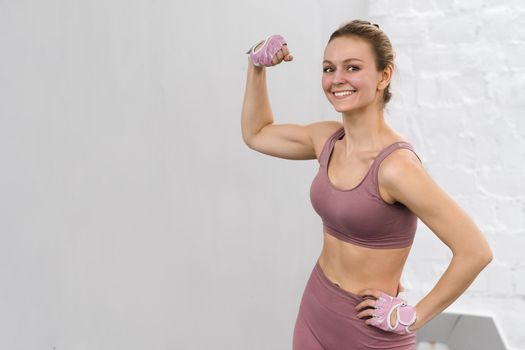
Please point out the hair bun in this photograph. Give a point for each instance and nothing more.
(372, 24)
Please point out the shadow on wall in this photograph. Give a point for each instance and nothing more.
(451, 331)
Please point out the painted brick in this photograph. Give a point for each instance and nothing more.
(378, 7)
(446, 122)
(452, 30)
(471, 87)
(512, 54)
(432, 7)
(404, 65)
(479, 285)
(454, 180)
(480, 57)
(507, 88)
(499, 279)
(444, 5)
(469, 5)
(401, 7)
(390, 8)
(481, 209)
(410, 31)
(518, 276)
(427, 246)
(436, 60)
(507, 248)
(446, 91)
(510, 115)
(426, 7)
(422, 276)
(497, 181)
(403, 95)
(502, 24)
(512, 149)
(510, 214)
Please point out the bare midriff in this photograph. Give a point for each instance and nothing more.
(355, 268)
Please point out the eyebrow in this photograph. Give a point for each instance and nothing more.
(348, 59)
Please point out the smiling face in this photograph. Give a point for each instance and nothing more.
(350, 78)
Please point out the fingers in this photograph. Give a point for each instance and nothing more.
(366, 313)
(366, 308)
(370, 293)
(286, 52)
(278, 57)
(365, 303)
(375, 310)
(282, 55)
(270, 52)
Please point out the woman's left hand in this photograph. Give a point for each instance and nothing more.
(386, 312)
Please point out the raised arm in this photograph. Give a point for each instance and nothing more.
(289, 141)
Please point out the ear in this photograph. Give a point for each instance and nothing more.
(385, 77)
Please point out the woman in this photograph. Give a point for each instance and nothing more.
(370, 189)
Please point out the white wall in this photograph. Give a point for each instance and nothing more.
(134, 217)
(460, 88)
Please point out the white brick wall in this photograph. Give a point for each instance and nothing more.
(460, 82)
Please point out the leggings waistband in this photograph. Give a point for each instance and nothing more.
(354, 298)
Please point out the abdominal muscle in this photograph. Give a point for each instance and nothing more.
(355, 268)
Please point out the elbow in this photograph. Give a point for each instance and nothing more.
(483, 258)
(249, 144)
(487, 257)
(246, 142)
(479, 258)
(247, 139)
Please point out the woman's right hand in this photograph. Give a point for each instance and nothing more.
(277, 45)
(282, 55)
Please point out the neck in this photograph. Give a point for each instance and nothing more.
(365, 130)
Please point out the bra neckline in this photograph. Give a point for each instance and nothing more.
(338, 135)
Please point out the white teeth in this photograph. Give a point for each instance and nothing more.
(343, 93)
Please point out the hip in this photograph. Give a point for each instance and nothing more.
(329, 311)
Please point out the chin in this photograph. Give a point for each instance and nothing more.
(343, 108)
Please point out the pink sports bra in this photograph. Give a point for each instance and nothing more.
(359, 215)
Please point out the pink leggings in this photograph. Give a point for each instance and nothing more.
(327, 320)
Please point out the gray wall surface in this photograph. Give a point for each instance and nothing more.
(132, 215)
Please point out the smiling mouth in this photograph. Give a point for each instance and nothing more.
(343, 93)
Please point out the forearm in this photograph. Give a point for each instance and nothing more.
(460, 273)
(256, 109)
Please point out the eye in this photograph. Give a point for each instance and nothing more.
(354, 68)
(325, 69)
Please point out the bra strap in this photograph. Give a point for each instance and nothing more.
(392, 148)
(375, 167)
(328, 146)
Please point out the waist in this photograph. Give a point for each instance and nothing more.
(355, 268)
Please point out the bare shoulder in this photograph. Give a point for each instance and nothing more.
(398, 164)
(395, 169)
(321, 131)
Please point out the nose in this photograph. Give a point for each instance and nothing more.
(339, 77)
